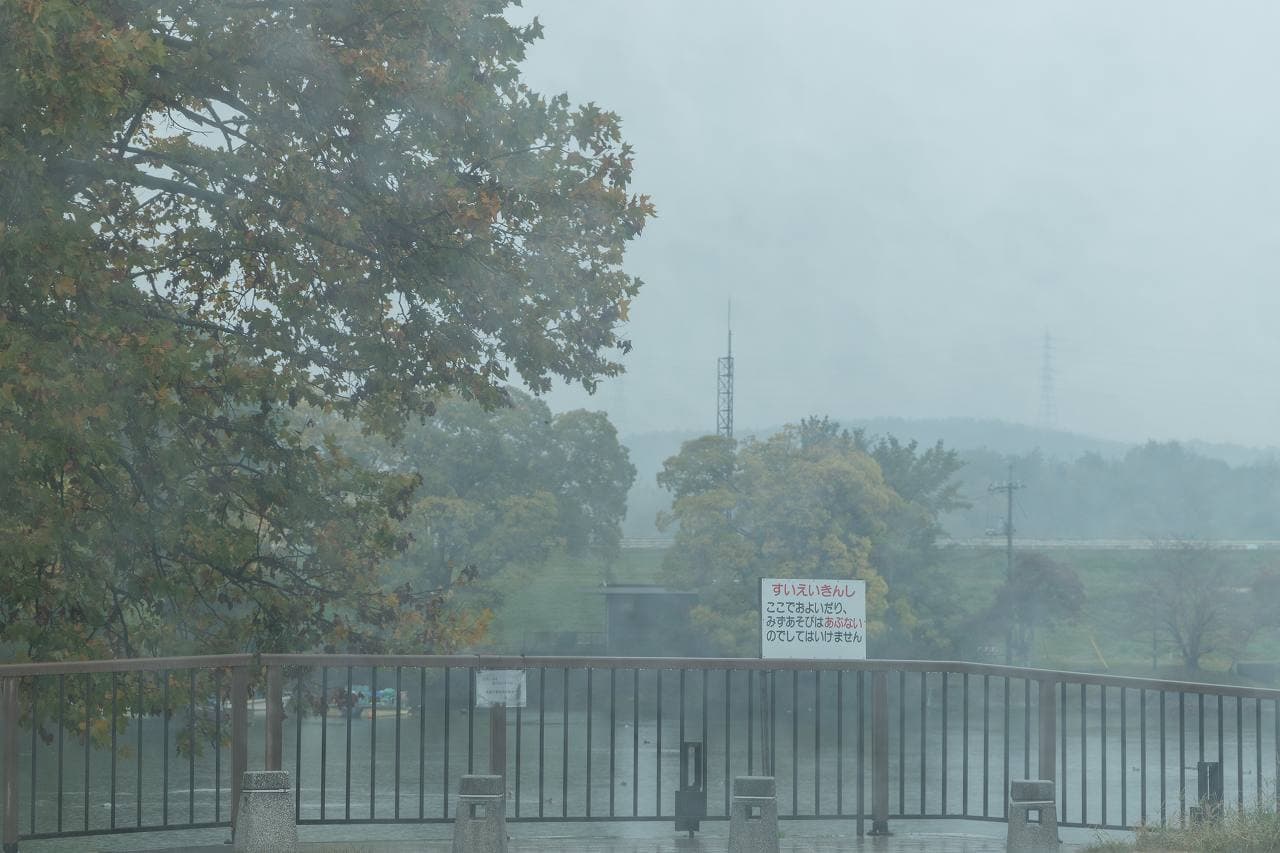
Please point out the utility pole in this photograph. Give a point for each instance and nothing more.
(1009, 486)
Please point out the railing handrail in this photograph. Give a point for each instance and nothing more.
(486, 661)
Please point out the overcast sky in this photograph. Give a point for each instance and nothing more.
(901, 198)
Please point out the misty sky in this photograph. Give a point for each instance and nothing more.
(902, 197)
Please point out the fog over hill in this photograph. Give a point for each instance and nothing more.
(1054, 507)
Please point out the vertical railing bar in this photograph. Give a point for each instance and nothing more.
(1005, 737)
(1142, 752)
(448, 712)
(1200, 722)
(471, 720)
(422, 745)
(191, 750)
(590, 671)
(964, 744)
(164, 764)
(1239, 755)
(542, 737)
(751, 721)
(519, 745)
(924, 700)
(862, 729)
(657, 750)
(324, 735)
(62, 707)
(565, 744)
(944, 756)
(769, 765)
(1026, 728)
(706, 734)
(1062, 737)
(1164, 788)
(1182, 757)
(348, 706)
(680, 691)
(395, 764)
(635, 742)
(1124, 761)
(795, 742)
(1084, 757)
(1257, 750)
(373, 739)
(297, 749)
(839, 742)
(902, 742)
(138, 748)
(728, 752)
(9, 711)
(239, 736)
(35, 707)
(1102, 703)
(986, 745)
(115, 687)
(817, 742)
(613, 736)
(1275, 747)
(88, 728)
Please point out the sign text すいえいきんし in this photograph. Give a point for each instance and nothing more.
(803, 618)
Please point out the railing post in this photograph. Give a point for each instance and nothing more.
(1048, 737)
(239, 736)
(498, 740)
(275, 717)
(9, 692)
(880, 753)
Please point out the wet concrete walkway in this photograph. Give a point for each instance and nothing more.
(809, 837)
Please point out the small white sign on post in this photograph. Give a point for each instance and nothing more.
(806, 619)
(505, 687)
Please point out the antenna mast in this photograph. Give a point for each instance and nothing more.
(724, 386)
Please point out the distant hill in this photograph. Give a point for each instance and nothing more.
(968, 435)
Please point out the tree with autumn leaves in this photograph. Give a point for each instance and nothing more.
(812, 501)
(216, 217)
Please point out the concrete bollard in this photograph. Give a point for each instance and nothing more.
(480, 820)
(1033, 816)
(753, 815)
(265, 817)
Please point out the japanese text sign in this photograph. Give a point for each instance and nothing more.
(813, 619)
(505, 687)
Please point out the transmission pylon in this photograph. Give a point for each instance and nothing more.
(724, 386)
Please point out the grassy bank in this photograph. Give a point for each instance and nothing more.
(1250, 832)
(1113, 635)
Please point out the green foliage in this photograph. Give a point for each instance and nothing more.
(501, 490)
(802, 503)
(1042, 592)
(213, 212)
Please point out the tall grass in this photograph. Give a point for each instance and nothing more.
(1254, 831)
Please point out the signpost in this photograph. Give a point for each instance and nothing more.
(808, 619)
(498, 690)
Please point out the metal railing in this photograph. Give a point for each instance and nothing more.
(140, 745)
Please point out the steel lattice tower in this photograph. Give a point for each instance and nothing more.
(724, 388)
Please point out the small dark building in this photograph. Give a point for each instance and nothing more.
(642, 620)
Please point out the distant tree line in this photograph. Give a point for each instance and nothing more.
(1158, 490)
